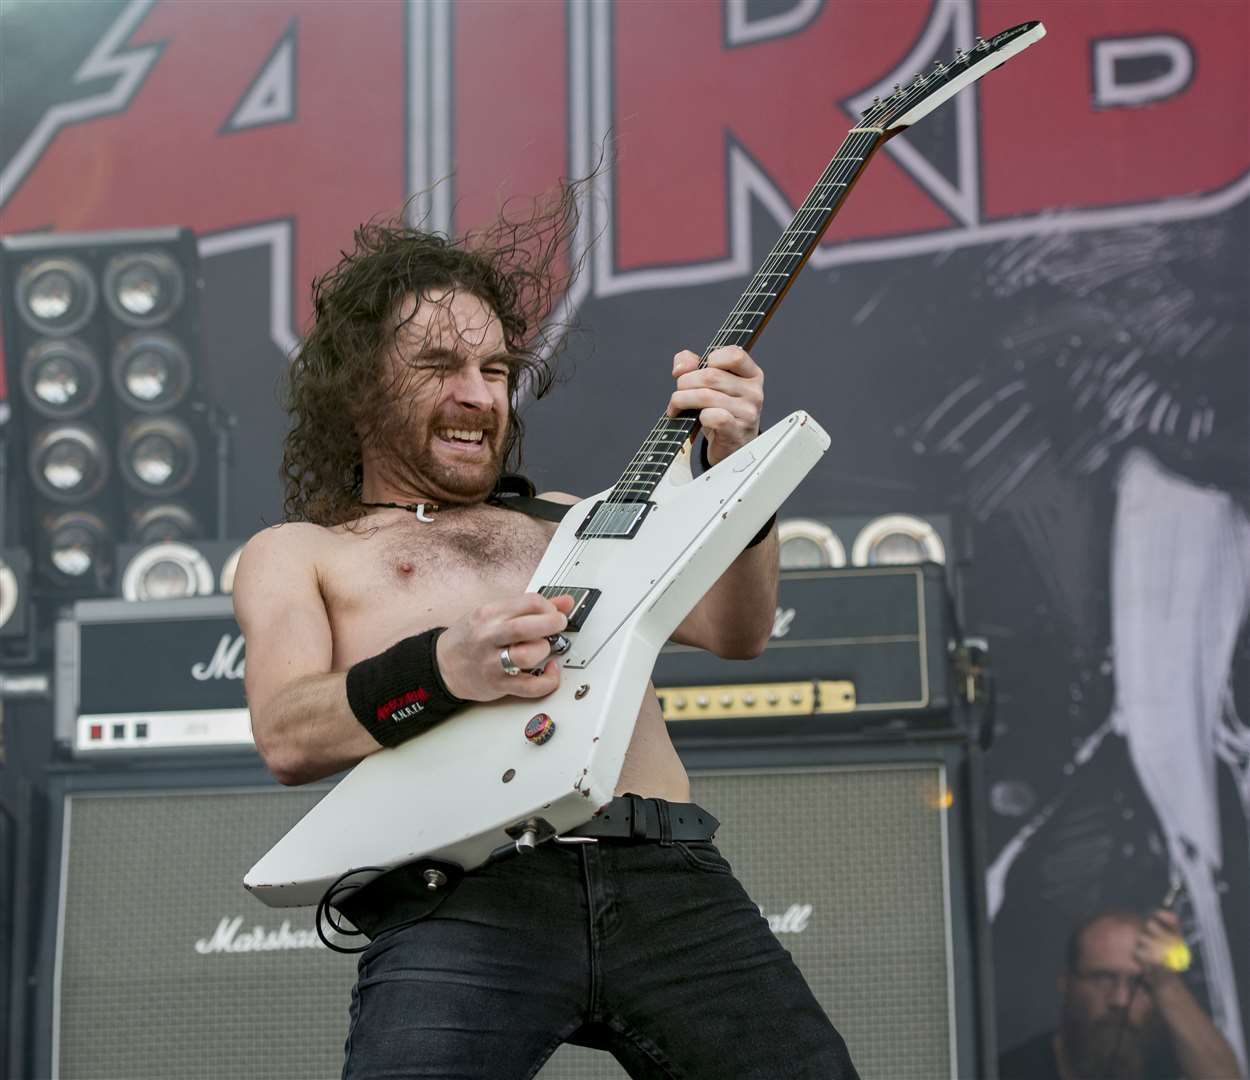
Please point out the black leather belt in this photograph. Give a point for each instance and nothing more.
(631, 817)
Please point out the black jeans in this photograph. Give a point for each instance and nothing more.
(653, 953)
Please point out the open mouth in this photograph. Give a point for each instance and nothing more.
(462, 438)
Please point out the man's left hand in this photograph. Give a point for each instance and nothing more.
(1160, 949)
(728, 392)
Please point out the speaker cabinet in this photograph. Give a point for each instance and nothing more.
(161, 965)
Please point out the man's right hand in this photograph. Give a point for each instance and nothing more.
(468, 651)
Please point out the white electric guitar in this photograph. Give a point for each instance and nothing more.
(635, 558)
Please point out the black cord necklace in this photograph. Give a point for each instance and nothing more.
(413, 508)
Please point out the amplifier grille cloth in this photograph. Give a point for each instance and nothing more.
(150, 876)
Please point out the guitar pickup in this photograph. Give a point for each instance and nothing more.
(583, 601)
(610, 520)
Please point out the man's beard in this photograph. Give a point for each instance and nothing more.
(451, 481)
(414, 465)
(1110, 1048)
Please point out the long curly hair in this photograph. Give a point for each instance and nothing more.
(335, 390)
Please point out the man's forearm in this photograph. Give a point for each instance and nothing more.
(1201, 1050)
(738, 610)
(309, 731)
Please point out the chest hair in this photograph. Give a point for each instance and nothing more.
(484, 539)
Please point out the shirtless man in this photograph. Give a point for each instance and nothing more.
(648, 949)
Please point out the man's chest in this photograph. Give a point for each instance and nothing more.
(381, 584)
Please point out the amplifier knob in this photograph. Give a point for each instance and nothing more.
(796, 697)
(773, 697)
(679, 701)
(726, 700)
(748, 699)
(702, 701)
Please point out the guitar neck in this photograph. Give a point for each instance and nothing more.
(748, 317)
(882, 120)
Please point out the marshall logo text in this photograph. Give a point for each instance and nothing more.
(781, 622)
(793, 920)
(229, 937)
(226, 663)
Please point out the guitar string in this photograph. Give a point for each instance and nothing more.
(663, 430)
(806, 216)
(875, 116)
(674, 429)
(668, 428)
(919, 89)
(781, 252)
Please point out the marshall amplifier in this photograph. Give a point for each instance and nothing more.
(156, 675)
(850, 649)
(155, 963)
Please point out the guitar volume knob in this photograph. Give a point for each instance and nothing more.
(559, 644)
(540, 728)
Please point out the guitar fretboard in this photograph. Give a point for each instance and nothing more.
(778, 271)
(755, 306)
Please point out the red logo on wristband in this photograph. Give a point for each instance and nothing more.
(402, 707)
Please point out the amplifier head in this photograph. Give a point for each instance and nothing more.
(852, 649)
(160, 675)
(890, 539)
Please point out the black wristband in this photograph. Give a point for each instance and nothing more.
(762, 535)
(399, 693)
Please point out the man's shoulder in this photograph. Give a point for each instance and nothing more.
(284, 551)
(287, 537)
(1032, 1060)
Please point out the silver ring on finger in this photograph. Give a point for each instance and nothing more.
(505, 661)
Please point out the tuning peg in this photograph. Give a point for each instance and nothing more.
(981, 44)
(898, 91)
(875, 101)
(938, 67)
(959, 55)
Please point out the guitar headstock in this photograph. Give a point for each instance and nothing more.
(928, 90)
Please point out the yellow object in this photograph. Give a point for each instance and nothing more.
(1177, 957)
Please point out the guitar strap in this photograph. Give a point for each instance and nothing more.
(524, 504)
(516, 492)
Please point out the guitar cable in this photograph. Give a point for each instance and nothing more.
(324, 910)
